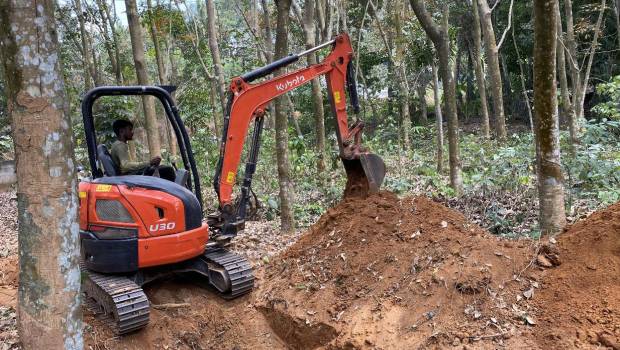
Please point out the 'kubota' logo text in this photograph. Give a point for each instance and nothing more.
(162, 227)
(290, 83)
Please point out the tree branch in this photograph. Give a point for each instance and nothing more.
(501, 41)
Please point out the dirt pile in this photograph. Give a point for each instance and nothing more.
(581, 297)
(388, 273)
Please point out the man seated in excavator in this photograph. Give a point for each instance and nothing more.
(123, 129)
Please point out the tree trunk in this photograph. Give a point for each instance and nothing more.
(439, 37)
(567, 107)
(215, 51)
(85, 51)
(284, 172)
(586, 76)
(118, 73)
(49, 310)
(438, 120)
(268, 34)
(423, 107)
(571, 46)
(494, 70)
(617, 13)
(107, 40)
(137, 47)
(398, 8)
(522, 79)
(480, 80)
(550, 180)
(161, 69)
(317, 95)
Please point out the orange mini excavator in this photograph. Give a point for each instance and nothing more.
(135, 229)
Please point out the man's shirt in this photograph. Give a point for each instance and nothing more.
(120, 157)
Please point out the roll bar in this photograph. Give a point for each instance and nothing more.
(162, 93)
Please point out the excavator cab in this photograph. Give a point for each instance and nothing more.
(135, 229)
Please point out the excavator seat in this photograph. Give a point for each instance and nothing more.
(106, 162)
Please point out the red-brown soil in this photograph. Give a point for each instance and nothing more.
(581, 297)
(399, 274)
(389, 273)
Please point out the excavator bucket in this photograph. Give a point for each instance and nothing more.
(364, 175)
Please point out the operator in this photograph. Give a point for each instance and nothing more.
(120, 154)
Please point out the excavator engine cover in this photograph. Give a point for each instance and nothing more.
(364, 175)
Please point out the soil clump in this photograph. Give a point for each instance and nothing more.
(387, 273)
(581, 296)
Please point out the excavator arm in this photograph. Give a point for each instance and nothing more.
(248, 102)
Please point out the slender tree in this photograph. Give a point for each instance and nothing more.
(309, 28)
(550, 179)
(478, 67)
(438, 119)
(284, 169)
(215, 51)
(565, 102)
(77, 4)
(440, 38)
(49, 313)
(137, 48)
(495, 80)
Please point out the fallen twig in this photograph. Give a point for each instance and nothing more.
(170, 306)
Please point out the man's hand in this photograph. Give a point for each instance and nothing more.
(155, 161)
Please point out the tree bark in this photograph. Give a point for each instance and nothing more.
(287, 219)
(308, 26)
(398, 7)
(49, 312)
(617, 13)
(439, 37)
(586, 76)
(438, 120)
(522, 79)
(494, 70)
(107, 40)
(571, 47)
(85, 51)
(215, 52)
(550, 179)
(480, 80)
(423, 107)
(567, 106)
(119, 72)
(137, 48)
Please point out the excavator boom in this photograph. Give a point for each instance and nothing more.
(248, 102)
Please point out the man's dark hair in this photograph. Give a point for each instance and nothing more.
(120, 124)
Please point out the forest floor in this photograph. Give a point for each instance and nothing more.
(384, 273)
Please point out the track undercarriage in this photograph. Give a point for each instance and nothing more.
(125, 306)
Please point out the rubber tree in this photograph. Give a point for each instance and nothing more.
(49, 312)
(398, 8)
(438, 119)
(478, 67)
(552, 216)
(281, 125)
(309, 29)
(88, 66)
(495, 81)
(137, 48)
(441, 40)
(161, 74)
(565, 102)
(215, 52)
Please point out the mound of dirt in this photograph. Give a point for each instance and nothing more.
(581, 297)
(386, 273)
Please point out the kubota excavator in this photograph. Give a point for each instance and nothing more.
(135, 229)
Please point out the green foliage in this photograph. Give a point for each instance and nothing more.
(611, 91)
